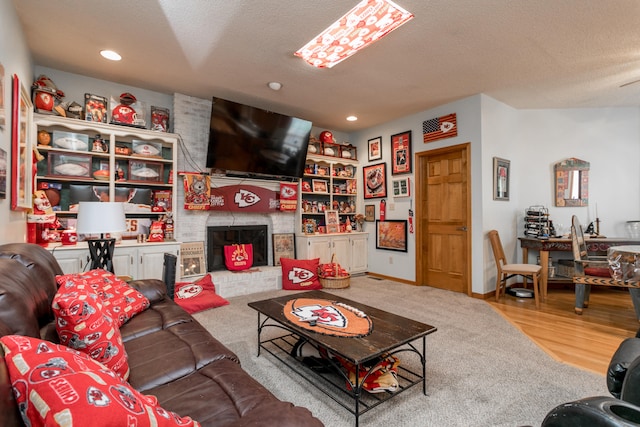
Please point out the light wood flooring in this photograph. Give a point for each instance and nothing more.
(587, 341)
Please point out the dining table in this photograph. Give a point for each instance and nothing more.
(598, 245)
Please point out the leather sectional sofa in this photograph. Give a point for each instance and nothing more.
(170, 355)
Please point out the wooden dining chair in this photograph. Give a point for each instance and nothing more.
(507, 271)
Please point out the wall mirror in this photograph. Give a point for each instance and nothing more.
(572, 182)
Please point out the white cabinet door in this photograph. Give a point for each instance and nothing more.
(341, 248)
(72, 261)
(152, 260)
(124, 262)
(359, 263)
(320, 247)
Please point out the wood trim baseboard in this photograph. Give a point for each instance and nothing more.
(395, 279)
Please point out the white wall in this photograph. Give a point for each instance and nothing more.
(15, 58)
(469, 130)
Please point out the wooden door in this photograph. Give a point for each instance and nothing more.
(443, 218)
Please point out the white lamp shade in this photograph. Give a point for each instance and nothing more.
(101, 217)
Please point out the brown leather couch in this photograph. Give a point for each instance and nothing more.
(170, 354)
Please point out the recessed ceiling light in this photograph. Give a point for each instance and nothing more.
(275, 85)
(352, 118)
(366, 23)
(111, 55)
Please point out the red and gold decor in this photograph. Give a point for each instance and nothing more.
(367, 22)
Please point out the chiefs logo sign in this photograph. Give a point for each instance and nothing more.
(244, 198)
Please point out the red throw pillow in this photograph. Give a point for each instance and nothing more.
(82, 324)
(300, 274)
(55, 385)
(198, 296)
(121, 300)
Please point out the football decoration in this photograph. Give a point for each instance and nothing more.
(328, 317)
(326, 136)
(45, 94)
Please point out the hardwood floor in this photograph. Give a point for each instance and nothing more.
(587, 341)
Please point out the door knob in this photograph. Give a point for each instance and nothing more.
(464, 228)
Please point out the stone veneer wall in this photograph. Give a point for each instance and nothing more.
(191, 122)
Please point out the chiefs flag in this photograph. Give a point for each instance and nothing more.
(439, 128)
(288, 196)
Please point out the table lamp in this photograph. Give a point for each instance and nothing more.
(101, 218)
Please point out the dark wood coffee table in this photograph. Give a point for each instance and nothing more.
(392, 334)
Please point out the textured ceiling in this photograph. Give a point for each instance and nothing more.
(525, 53)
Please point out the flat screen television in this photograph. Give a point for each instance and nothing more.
(249, 141)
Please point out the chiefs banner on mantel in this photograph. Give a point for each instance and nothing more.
(288, 196)
(243, 198)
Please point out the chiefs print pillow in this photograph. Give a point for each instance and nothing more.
(198, 296)
(57, 386)
(83, 324)
(118, 298)
(300, 274)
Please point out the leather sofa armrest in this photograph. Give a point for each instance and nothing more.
(155, 290)
(627, 352)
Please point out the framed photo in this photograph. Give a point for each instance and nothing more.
(21, 143)
(309, 227)
(332, 221)
(375, 148)
(501, 172)
(401, 187)
(370, 213)
(391, 235)
(375, 181)
(319, 186)
(192, 259)
(401, 153)
(284, 246)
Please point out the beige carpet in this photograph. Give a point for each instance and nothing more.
(481, 371)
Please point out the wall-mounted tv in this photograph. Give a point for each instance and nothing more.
(252, 142)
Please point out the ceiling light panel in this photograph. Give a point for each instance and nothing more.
(366, 23)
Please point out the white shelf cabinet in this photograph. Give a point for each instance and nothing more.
(350, 249)
(151, 173)
(137, 260)
(327, 184)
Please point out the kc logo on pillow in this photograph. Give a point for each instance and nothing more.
(238, 257)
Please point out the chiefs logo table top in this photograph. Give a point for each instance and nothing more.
(328, 317)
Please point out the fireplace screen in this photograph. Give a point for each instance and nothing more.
(218, 237)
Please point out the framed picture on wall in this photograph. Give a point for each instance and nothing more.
(401, 153)
(370, 213)
(391, 235)
(401, 187)
(375, 181)
(501, 175)
(375, 148)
